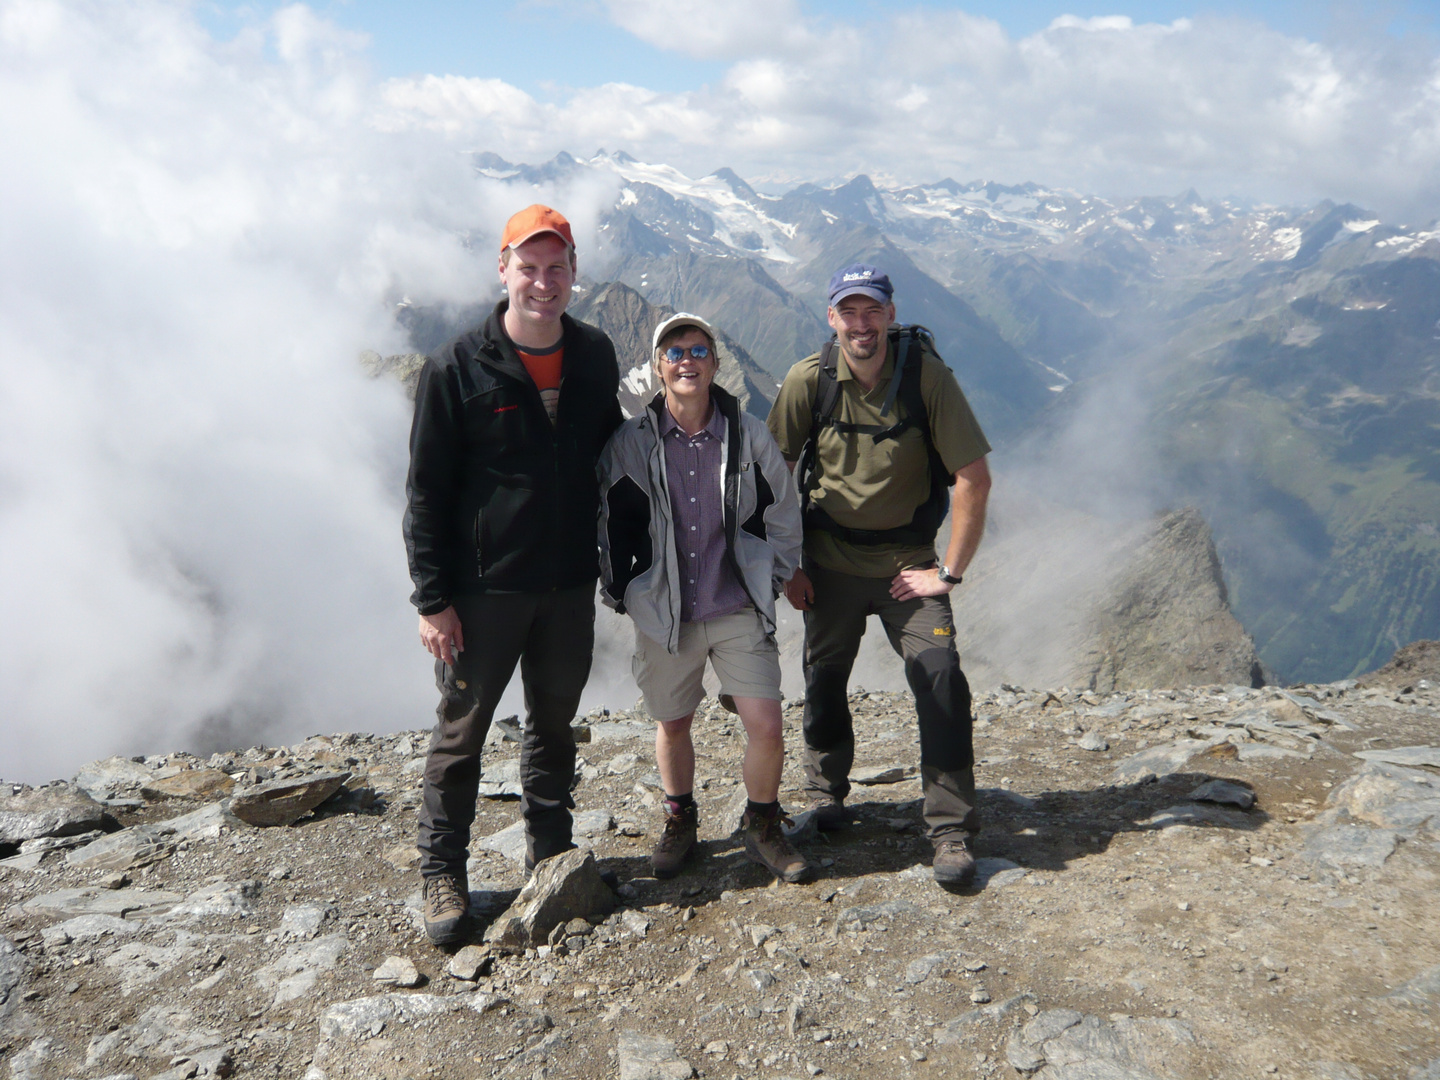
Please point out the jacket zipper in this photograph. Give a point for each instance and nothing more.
(479, 551)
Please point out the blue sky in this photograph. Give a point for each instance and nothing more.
(498, 38)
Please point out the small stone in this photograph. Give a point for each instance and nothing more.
(127, 849)
(761, 979)
(57, 810)
(621, 764)
(189, 784)
(1404, 755)
(564, 887)
(302, 921)
(398, 970)
(919, 970)
(284, 802)
(1225, 792)
(500, 780)
(470, 963)
(593, 823)
(1093, 741)
(890, 774)
(650, 1057)
(980, 996)
(635, 923)
(509, 842)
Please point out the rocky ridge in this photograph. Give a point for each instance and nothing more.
(1175, 884)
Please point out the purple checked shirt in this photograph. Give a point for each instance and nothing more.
(708, 587)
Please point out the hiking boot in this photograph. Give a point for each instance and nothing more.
(767, 844)
(447, 902)
(954, 865)
(829, 812)
(677, 841)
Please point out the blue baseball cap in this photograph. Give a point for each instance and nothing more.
(861, 278)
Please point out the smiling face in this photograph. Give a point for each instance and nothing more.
(689, 380)
(859, 323)
(538, 276)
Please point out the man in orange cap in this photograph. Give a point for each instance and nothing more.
(510, 419)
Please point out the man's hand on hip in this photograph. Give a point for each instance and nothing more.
(799, 591)
(913, 584)
(442, 635)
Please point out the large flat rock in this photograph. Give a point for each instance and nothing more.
(284, 802)
(58, 810)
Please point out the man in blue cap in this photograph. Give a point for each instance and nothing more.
(886, 444)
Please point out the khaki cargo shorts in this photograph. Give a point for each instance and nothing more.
(745, 660)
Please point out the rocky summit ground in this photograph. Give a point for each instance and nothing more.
(1138, 916)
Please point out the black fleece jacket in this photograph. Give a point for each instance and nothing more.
(499, 500)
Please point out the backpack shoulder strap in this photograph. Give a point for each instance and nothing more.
(822, 408)
(827, 389)
(915, 409)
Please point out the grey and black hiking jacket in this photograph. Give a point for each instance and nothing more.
(639, 570)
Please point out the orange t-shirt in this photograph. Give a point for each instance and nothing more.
(544, 369)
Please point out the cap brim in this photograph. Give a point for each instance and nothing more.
(538, 232)
(677, 322)
(861, 290)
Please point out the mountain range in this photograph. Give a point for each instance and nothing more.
(1276, 367)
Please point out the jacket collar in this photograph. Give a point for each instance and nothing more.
(726, 404)
(498, 351)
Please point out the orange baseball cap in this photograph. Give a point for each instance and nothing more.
(531, 222)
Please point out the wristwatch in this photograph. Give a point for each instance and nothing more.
(949, 578)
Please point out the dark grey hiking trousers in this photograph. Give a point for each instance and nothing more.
(922, 631)
(551, 636)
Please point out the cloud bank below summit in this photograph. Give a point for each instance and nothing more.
(1103, 105)
(200, 494)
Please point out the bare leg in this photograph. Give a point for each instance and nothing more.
(675, 754)
(764, 747)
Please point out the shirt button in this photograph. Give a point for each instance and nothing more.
(692, 498)
(692, 472)
(692, 581)
(692, 528)
(692, 555)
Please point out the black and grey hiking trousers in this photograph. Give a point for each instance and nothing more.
(922, 631)
(551, 636)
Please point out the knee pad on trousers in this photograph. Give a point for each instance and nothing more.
(942, 706)
(938, 671)
(827, 708)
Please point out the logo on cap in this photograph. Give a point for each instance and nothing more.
(863, 279)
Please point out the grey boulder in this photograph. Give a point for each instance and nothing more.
(284, 802)
(58, 810)
(650, 1057)
(564, 887)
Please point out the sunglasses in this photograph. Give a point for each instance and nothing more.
(674, 354)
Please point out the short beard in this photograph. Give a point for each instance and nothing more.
(863, 354)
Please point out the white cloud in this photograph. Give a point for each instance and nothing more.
(200, 494)
(1105, 104)
(702, 28)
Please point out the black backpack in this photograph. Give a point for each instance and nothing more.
(906, 343)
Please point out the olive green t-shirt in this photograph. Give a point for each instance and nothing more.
(869, 485)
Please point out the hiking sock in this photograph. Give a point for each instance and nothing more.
(762, 809)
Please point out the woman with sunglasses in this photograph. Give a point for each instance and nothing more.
(699, 532)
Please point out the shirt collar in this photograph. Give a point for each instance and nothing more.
(887, 368)
(715, 427)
